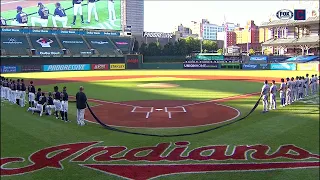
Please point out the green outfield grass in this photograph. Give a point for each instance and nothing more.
(23, 133)
(102, 11)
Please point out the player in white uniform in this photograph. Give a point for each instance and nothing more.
(265, 93)
(317, 82)
(50, 105)
(293, 84)
(288, 92)
(307, 82)
(77, 8)
(282, 92)
(92, 9)
(312, 84)
(112, 12)
(296, 89)
(273, 93)
(300, 88)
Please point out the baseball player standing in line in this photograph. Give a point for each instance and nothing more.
(65, 105)
(292, 89)
(21, 18)
(50, 105)
(312, 83)
(56, 101)
(5, 89)
(112, 12)
(317, 82)
(36, 99)
(23, 94)
(288, 92)
(307, 85)
(77, 7)
(43, 13)
(18, 92)
(59, 15)
(31, 94)
(300, 88)
(282, 93)
(296, 89)
(13, 92)
(273, 93)
(81, 100)
(92, 8)
(264, 93)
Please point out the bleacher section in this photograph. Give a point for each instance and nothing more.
(102, 45)
(123, 44)
(14, 44)
(46, 45)
(75, 45)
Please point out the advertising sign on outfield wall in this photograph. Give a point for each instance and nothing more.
(31, 68)
(258, 58)
(133, 62)
(201, 65)
(9, 69)
(67, 67)
(117, 66)
(99, 66)
(307, 67)
(255, 66)
(283, 66)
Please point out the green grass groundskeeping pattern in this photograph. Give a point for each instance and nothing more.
(101, 8)
(23, 133)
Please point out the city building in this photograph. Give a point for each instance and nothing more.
(132, 14)
(230, 37)
(184, 32)
(248, 37)
(290, 37)
(206, 30)
(264, 34)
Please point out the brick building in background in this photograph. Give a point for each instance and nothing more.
(248, 36)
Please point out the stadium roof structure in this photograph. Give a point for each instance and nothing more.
(277, 23)
(305, 40)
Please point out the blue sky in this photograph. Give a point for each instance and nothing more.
(163, 16)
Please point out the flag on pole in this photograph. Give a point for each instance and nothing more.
(201, 30)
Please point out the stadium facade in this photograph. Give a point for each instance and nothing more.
(291, 37)
(133, 15)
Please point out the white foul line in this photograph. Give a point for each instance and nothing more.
(151, 109)
(169, 113)
(134, 109)
(147, 116)
(165, 109)
(184, 109)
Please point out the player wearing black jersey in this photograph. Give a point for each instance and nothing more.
(23, 94)
(50, 105)
(31, 94)
(64, 102)
(57, 101)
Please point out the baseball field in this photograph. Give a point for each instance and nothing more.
(163, 124)
(8, 11)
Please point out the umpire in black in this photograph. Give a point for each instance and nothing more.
(81, 100)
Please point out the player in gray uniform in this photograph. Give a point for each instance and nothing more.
(288, 92)
(296, 89)
(265, 93)
(312, 84)
(282, 92)
(293, 84)
(273, 93)
(307, 82)
(300, 88)
(317, 82)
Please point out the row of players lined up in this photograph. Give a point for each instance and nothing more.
(293, 90)
(15, 92)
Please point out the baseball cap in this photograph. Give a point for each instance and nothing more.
(58, 4)
(39, 4)
(19, 8)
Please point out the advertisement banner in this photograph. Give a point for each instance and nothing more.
(67, 67)
(255, 66)
(277, 59)
(258, 58)
(117, 66)
(9, 69)
(133, 62)
(283, 66)
(232, 58)
(99, 66)
(307, 67)
(230, 66)
(31, 68)
(201, 66)
(49, 53)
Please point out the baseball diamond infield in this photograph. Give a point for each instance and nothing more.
(159, 113)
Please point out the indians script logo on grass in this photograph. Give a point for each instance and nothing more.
(213, 158)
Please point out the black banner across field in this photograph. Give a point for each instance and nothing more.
(201, 66)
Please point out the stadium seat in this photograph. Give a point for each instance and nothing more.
(75, 44)
(14, 44)
(46, 44)
(102, 44)
(123, 43)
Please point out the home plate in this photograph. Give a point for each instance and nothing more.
(159, 109)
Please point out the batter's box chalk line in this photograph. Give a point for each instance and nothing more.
(182, 109)
(136, 109)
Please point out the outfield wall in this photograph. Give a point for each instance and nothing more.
(51, 64)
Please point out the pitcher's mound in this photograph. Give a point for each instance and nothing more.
(158, 85)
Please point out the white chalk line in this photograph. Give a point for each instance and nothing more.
(10, 2)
